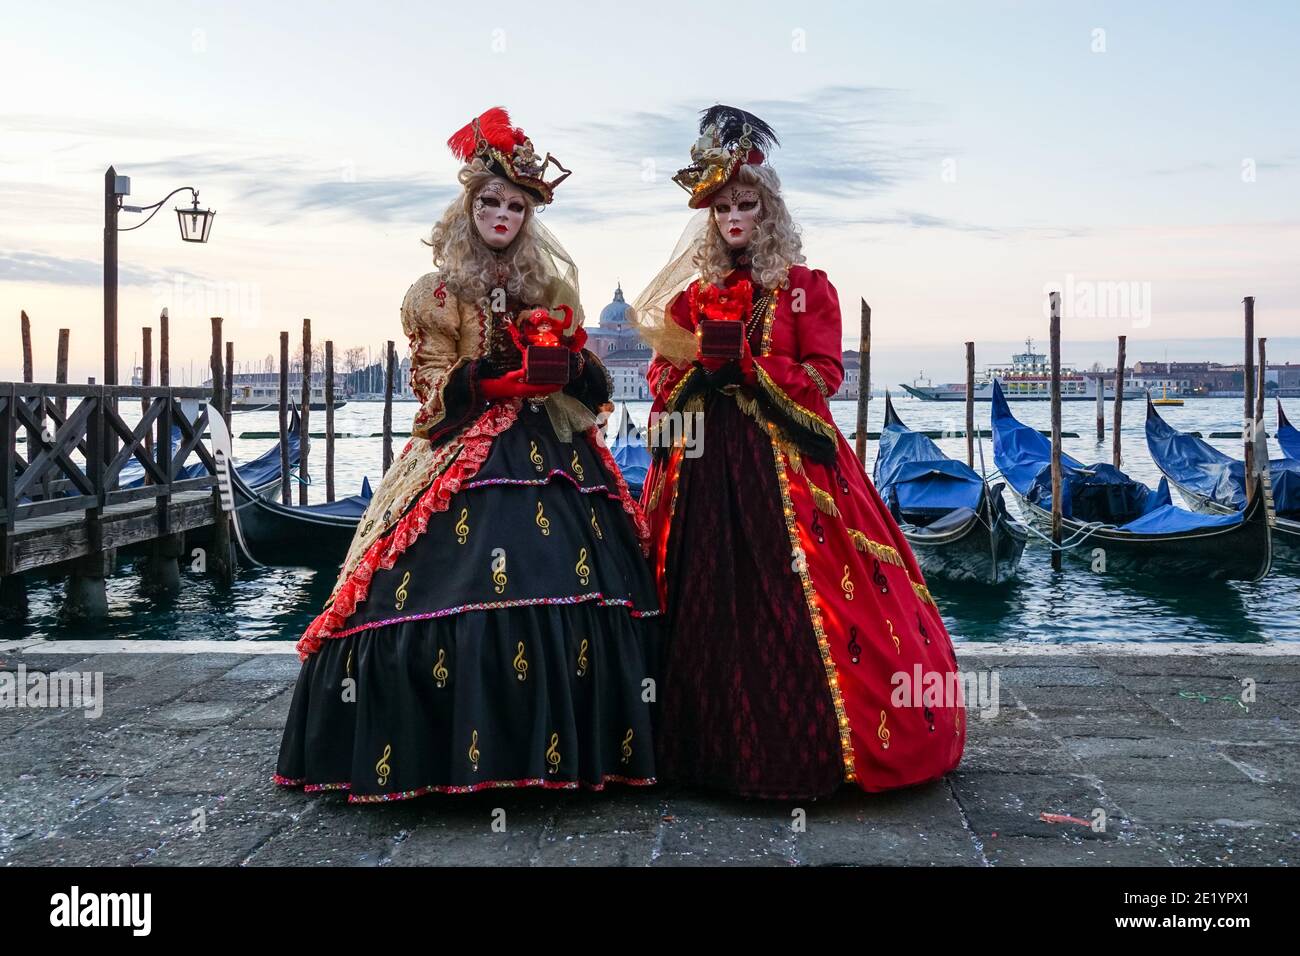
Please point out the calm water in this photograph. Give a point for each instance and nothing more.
(277, 603)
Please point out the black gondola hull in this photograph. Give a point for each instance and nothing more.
(1286, 531)
(976, 551)
(290, 537)
(1240, 552)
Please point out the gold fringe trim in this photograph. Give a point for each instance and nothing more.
(876, 549)
(924, 594)
(808, 419)
(677, 389)
(823, 500)
(794, 458)
(814, 612)
(658, 488)
(749, 405)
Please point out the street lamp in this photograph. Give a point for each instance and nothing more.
(195, 225)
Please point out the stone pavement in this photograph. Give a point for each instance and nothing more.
(1156, 741)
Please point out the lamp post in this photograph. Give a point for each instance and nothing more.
(195, 225)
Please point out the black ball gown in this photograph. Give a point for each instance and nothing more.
(502, 633)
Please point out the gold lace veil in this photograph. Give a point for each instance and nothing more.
(650, 310)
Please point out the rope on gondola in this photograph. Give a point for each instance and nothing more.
(1083, 534)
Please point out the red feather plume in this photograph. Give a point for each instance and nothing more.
(494, 126)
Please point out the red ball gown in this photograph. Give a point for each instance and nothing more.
(801, 629)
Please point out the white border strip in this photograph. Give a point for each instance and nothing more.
(964, 648)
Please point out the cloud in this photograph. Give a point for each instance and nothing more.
(281, 188)
(38, 267)
(857, 142)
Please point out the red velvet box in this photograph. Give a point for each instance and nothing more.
(721, 338)
(546, 365)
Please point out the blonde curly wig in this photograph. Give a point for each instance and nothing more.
(467, 264)
(775, 245)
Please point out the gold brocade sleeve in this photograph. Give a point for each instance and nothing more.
(431, 321)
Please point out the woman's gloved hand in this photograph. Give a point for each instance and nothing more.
(512, 385)
(724, 371)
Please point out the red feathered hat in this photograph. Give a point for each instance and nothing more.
(506, 151)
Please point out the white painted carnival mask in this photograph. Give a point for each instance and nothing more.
(736, 209)
(499, 212)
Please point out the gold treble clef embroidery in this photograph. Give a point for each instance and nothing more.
(521, 663)
(582, 657)
(402, 594)
(473, 750)
(627, 745)
(897, 647)
(576, 465)
(534, 455)
(883, 732)
(543, 522)
(595, 526)
(553, 754)
(440, 668)
(847, 584)
(462, 527)
(382, 768)
(583, 569)
(499, 569)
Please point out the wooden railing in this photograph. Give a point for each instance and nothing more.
(44, 476)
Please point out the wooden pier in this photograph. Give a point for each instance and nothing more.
(63, 509)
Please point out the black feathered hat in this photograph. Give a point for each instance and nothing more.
(729, 138)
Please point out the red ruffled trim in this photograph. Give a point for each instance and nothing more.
(475, 443)
(630, 504)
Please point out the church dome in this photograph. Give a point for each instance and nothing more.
(614, 316)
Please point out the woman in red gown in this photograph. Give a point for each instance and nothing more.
(805, 649)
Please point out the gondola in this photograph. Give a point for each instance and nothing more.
(261, 475)
(1139, 531)
(957, 525)
(1287, 436)
(1212, 482)
(630, 453)
(311, 536)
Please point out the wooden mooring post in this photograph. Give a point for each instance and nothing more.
(221, 558)
(1248, 393)
(970, 404)
(1056, 429)
(1116, 453)
(285, 490)
(304, 414)
(864, 382)
(390, 361)
(329, 420)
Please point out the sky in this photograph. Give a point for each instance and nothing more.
(950, 163)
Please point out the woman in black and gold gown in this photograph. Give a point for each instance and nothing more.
(495, 621)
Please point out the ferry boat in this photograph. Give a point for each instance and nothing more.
(1028, 377)
(259, 391)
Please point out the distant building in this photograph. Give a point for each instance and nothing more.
(616, 343)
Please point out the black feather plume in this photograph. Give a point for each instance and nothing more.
(730, 123)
